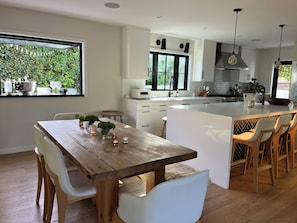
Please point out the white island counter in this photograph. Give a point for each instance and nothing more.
(208, 129)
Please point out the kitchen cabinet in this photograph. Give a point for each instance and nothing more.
(249, 56)
(135, 52)
(204, 60)
(147, 115)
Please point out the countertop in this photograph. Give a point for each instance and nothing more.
(237, 111)
(154, 99)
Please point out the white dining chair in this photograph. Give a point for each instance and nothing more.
(69, 187)
(66, 115)
(176, 201)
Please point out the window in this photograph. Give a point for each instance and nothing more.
(281, 80)
(40, 67)
(167, 71)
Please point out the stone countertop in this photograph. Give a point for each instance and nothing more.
(237, 111)
(155, 99)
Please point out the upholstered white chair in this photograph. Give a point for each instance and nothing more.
(258, 142)
(66, 116)
(69, 187)
(280, 142)
(176, 201)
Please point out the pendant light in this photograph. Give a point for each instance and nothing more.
(232, 60)
(278, 62)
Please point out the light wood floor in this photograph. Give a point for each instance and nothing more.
(18, 177)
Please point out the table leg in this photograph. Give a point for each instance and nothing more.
(151, 179)
(108, 197)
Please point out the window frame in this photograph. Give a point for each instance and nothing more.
(275, 77)
(177, 57)
(50, 40)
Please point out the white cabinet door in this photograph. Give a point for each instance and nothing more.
(135, 52)
(249, 56)
(204, 60)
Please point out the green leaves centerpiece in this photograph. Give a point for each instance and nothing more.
(105, 126)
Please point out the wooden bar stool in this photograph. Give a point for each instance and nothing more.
(163, 134)
(280, 141)
(113, 114)
(259, 139)
(292, 140)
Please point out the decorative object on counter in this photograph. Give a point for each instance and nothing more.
(252, 89)
(26, 87)
(291, 105)
(278, 101)
(278, 62)
(204, 92)
(232, 60)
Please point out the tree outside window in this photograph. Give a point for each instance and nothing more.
(52, 64)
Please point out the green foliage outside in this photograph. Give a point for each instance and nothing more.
(41, 65)
(285, 72)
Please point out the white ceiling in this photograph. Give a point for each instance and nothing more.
(258, 23)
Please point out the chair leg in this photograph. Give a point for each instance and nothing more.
(39, 179)
(256, 172)
(50, 194)
(270, 158)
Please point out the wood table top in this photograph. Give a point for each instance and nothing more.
(100, 159)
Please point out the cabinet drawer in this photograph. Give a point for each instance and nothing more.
(145, 106)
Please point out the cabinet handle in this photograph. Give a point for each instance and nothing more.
(163, 110)
(145, 125)
(163, 105)
(145, 106)
(145, 111)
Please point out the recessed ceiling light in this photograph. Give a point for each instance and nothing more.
(112, 5)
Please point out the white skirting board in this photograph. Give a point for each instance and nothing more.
(12, 150)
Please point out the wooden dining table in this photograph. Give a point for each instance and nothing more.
(105, 163)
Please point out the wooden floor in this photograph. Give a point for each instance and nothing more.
(18, 180)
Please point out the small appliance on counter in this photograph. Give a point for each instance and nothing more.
(137, 93)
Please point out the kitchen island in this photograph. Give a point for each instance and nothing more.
(208, 129)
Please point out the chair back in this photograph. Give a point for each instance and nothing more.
(283, 122)
(293, 122)
(55, 163)
(38, 134)
(174, 201)
(66, 116)
(263, 124)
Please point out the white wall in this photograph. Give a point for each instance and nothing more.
(102, 74)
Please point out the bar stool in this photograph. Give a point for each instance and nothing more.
(259, 139)
(292, 140)
(163, 134)
(113, 114)
(280, 141)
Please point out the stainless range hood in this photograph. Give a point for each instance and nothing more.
(222, 58)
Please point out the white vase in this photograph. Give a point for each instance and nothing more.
(249, 100)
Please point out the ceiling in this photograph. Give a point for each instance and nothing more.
(258, 22)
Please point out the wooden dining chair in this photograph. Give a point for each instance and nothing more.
(292, 140)
(66, 116)
(174, 201)
(69, 187)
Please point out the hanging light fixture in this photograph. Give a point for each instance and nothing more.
(278, 62)
(232, 60)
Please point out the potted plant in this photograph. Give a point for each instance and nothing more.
(252, 89)
(105, 127)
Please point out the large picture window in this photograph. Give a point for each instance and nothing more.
(167, 71)
(40, 67)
